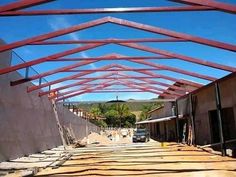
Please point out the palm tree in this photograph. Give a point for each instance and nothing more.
(123, 111)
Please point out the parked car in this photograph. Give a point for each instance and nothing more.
(141, 135)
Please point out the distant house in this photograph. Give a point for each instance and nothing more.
(162, 121)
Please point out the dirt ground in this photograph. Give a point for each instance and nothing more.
(142, 159)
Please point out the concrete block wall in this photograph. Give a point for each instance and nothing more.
(27, 122)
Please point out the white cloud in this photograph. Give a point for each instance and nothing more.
(57, 23)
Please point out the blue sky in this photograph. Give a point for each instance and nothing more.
(212, 25)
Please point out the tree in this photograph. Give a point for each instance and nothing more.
(102, 108)
(112, 118)
(129, 121)
(96, 112)
(117, 115)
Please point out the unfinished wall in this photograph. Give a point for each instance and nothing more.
(205, 102)
(27, 122)
(74, 124)
(228, 94)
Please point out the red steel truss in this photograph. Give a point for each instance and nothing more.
(121, 22)
(21, 5)
(145, 79)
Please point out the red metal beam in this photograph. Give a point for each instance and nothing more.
(81, 83)
(177, 70)
(21, 5)
(118, 88)
(63, 69)
(212, 4)
(108, 10)
(166, 85)
(141, 77)
(113, 57)
(51, 57)
(71, 85)
(67, 69)
(114, 91)
(158, 75)
(179, 56)
(108, 41)
(154, 75)
(158, 67)
(114, 69)
(96, 84)
(165, 77)
(118, 78)
(85, 88)
(144, 89)
(121, 22)
(76, 93)
(53, 34)
(154, 88)
(79, 75)
(82, 92)
(170, 33)
(89, 80)
(32, 88)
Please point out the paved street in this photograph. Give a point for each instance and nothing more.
(147, 160)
